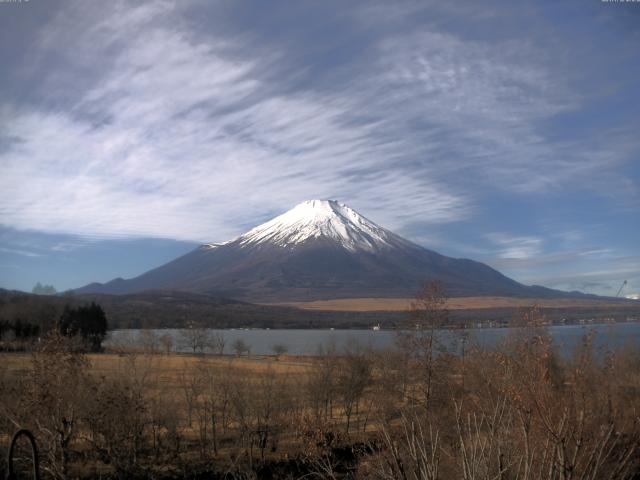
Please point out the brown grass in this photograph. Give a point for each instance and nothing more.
(458, 303)
(169, 367)
(519, 396)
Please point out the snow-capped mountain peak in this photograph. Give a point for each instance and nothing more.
(316, 219)
(319, 250)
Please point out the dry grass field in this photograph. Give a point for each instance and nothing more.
(357, 413)
(163, 400)
(456, 303)
(168, 367)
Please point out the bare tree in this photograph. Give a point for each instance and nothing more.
(205, 406)
(150, 341)
(240, 347)
(321, 383)
(197, 339)
(55, 396)
(412, 453)
(279, 349)
(191, 386)
(166, 341)
(420, 337)
(116, 421)
(218, 343)
(269, 408)
(354, 377)
(240, 393)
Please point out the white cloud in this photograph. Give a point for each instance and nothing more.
(24, 253)
(485, 101)
(166, 132)
(180, 139)
(516, 247)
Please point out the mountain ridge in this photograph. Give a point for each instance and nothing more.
(320, 249)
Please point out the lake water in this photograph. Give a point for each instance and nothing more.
(305, 342)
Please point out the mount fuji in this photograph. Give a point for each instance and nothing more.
(319, 250)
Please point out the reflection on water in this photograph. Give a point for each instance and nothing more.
(305, 342)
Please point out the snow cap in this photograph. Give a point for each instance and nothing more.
(314, 219)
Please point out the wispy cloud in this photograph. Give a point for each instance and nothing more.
(15, 251)
(180, 138)
(617, 272)
(529, 252)
(152, 127)
(516, 247)
(67, 246)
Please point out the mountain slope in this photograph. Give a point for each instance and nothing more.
(319, 250)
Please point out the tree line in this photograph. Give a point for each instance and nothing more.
(86, 323)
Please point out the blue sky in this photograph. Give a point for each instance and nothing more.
(505, 132)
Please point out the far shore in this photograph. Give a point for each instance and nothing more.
(455, 303)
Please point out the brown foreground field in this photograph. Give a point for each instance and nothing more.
(454, 303)
(168, 368)
(416, 411)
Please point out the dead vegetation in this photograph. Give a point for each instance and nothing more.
(518, 411)
(454, 303)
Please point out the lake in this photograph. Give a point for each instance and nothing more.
(306, 342)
